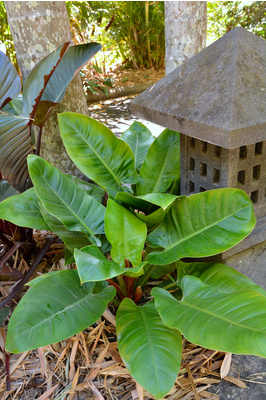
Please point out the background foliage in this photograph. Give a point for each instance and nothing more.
(226, 15)
(132, 32)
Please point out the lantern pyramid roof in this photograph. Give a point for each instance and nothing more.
(218, 96)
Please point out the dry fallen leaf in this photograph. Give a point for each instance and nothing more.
(225, 368)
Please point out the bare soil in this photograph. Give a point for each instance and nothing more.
(123, 77)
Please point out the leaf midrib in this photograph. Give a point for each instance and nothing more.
(186, 303)
(158, 181)
(177, 243)
(115, 177)
(65, 204)
(149, 342)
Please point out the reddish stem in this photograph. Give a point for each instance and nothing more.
(8, 385)
(114, 284)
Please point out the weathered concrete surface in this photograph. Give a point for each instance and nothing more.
(218, 96)
(251, 262)
(249, 368)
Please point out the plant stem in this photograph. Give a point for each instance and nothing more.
(144, 279)
(27, 276)
(39, 139)
(122, 285)
(8, 385)
(115, 285)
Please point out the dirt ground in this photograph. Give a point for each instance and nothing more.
(124, 77)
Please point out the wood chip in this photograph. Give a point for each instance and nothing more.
(21, 358)
(42, 358)
(72, 368)
(73, 385)
(140, 391)
(192, 383)
(96, 391)
(46, 395)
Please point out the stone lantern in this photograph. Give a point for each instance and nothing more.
(217, 101)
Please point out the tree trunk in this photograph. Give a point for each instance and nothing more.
(38, 28)
(185, 31)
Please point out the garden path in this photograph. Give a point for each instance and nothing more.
(116, 114)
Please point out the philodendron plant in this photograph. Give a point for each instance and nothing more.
(143, 230)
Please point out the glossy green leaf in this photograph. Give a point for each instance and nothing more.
(230, 322)
(219, 276)
(97, 152)
(150, 350)
(161, 270)
(38, 78)
(144, 203)
(152, 220)
(93, 266)
(6, 190)
(161, 165)
(15, 145)
(126, 233)
(10, 85)
(71, 239)
(72, 61)
(93, 190)
(65, 200)
(202, 225)
(139, 139)
(53, 310)
(23, 210)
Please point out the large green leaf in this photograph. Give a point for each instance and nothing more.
(10, 85)
(152, 220)
(53, 310)
(15, 145)
(145, 203)
(23, 210)
(97, 152)
(202, 225)
(71, 239)
(219, 276)
(93, 266)
(161, 165)
(148, 203)
(126, 233)
(38, 78)
(150, 350)
(6, 190)
(139, 139)
(72, 61)
(230, 322)
(65, 200)
(93, 190)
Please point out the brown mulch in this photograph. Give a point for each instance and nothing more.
(88, 365)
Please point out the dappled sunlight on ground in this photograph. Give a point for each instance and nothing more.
(116, 114)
